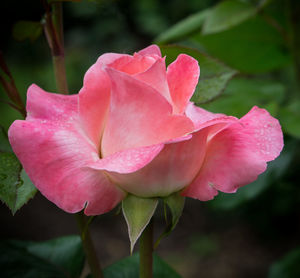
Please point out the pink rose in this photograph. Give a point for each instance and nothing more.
(133, 129)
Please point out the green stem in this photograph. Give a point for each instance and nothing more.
(59, 56)
(88, 246)
(146, 249)
(54, 35)
(60, 74)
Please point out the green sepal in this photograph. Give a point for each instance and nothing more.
(138, 213)
(175, 203)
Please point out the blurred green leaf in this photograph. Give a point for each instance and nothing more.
(214, 75)
(251, 47)
(138, 213)
(129, 268)
(287, 267)
(23, 30)
(16, 188)
(64, 252)
(226, 15)
(290, 118)
(274, 172)
(59, 258)
(242, 94)
(183, 28)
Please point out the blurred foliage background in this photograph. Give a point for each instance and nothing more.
(249, 54)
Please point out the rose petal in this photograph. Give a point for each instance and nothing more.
(129, 160)
(54, 152)
(150, 50)
(172, 169)
(156, 77)
(94, 97)
(265, 131)
(95, 94)
(237, 155)
(139, 116)
(199, 116)
(133, 64)
(46, 106)
(182, 75)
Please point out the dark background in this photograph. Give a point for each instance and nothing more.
(236, 236)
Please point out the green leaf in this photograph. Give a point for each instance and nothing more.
(25, 192)
(242, 94)
(23, 30)
(251, 47)
(15, 186)
(175, 202)
(61, 257)
(129, 268)
(183, 28)
(64, 252)
(138, 213)
(287, 267)
(226, 15)
(214, 75)
(290, 118)
(210, 88)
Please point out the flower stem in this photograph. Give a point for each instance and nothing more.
(88, 246)
(60, 74)
(54, 34)
(146, 249)
(59, 58)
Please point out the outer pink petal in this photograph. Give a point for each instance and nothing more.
(139, 116)
(182, 75)
(150, 50)
(171, 170)
(237, 155)
(156, 77)
(94, 97)
(46, 106)
(54, 152)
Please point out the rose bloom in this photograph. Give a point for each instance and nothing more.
(132, 129)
